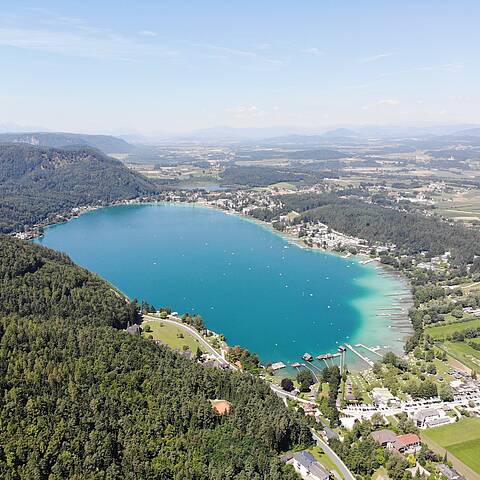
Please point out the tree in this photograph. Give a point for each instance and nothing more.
(377, 419)
(305, 380)
(445, 392)
(287, 384)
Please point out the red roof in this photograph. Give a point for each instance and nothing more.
(406, 440)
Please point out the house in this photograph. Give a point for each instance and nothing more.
(423, 416)
(431, 417)
(448, 472)
(309, 408)
(134, 329)
(309, 469)
(408, 443)
(386, 438)
(221, 407)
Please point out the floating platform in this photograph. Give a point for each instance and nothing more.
(328, 356)
(278, 366)
(307, 357)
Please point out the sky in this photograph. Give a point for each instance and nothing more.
(167, 66)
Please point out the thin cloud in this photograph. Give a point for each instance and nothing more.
(147, 33)
(235, 52)
(373, 58)
(389, 102)
(94, 43)
(245, 111)
(314, 51)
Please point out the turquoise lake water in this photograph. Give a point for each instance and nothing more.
(263, 292)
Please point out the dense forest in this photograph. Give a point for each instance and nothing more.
(411, 233)
(105, 143)
(39, 182)
(80, 398)
(253, 176)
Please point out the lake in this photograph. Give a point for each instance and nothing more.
(249, 283)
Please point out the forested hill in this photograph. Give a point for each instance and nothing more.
(38, 182)
(105, 143)
(82, 399)
(412, 233)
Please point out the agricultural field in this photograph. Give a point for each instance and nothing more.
(463, 206)
(442, 331)
(171, 335)
(462, 439)
(464, 354)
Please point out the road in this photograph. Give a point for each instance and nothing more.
(279, 391)
(347, 474)
(282, 393)
(206, 346)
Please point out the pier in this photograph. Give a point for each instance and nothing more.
(368, 348)
(365, 359)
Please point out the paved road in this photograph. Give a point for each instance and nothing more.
(279, 391)
(282, 393)
(206, 346)
(347, 474)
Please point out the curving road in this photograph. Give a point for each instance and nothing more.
(207, 347)
(347, 474)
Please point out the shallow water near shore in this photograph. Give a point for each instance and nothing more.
(260, 290)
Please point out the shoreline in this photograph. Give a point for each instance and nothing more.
(400, 321)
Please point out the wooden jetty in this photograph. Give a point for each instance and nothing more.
(369, 349)
(365, 359)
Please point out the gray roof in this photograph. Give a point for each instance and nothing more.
(439, 421)
(134, 329)
(450, 473)
(319, 471)
(384, 436)
(304, 458)
(423, 414)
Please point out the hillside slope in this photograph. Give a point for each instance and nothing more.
(38, 182)
(81, 399)
(105, 143)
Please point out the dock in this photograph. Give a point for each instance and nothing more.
(369, 349)
(365, 359)
(278, 366)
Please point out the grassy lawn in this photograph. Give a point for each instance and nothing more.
(443, 330)
(462, 439)
(171, 335)
(322, 458)
(464, 354)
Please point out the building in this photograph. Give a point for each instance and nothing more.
(431, 417)
(386, 438)
(409, 443)
(309, 469)
(448, 472)
(278, 366)
(221, 407)
(134, 329)
(423, 416)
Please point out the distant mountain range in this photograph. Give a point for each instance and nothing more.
(105, 143)
(40, 182)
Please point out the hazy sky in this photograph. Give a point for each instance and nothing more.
(162, 66)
